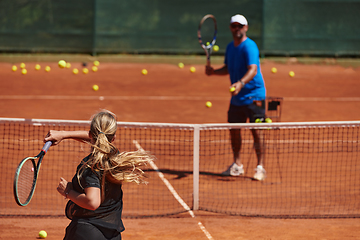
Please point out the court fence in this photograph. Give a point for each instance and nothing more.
(279, 27)
(313, 168)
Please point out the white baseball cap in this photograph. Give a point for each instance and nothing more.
(239, 19)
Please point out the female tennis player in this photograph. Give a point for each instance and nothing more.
(95, 194)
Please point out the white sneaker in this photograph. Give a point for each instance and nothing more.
(260, 173)
(234, 170)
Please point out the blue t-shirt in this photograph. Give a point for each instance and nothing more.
(237, 59)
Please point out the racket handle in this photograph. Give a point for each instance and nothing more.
(46, 146)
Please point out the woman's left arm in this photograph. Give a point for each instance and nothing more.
(91, 199)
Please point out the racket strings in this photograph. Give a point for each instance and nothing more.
(208, 32)
(25, 181)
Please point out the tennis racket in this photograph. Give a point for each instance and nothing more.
(207, 35)
(26, 177)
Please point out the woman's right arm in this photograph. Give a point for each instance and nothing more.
(57, 136)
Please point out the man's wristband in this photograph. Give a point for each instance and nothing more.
(242, 83)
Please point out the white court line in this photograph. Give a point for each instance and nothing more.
(174, 193)
(169, 98)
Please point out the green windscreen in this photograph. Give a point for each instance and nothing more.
(279, 27)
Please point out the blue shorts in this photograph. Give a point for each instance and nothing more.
(240, 114)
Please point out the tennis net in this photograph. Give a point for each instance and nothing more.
(312, 168)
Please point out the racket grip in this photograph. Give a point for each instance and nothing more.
(47, 146)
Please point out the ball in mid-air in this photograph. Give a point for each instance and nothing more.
(216, 48)
(75, 71)
(62, 64)
(144, 71)
(23, 71)
(14, 68)
(274, 70)
(85, 70)
(42, 234)
(181, 65)
(95, 87)
(47, 69)
(192, 69)
(96, 63)
(22, 65)
(291, 74)
(37, 67)
(208, 104)
(232, 89)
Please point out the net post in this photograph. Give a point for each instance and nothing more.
(196, 152)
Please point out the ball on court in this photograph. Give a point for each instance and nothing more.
(291, 74)
(47, 69)
(14, 68)
(192, 69)
(42, 234)
(68, 65)
(268, 120)
(22, 65)
(95, 87)
(258, 120)
(232, 89)
(216, 48)
(75, 71)
(62, 64)
(274, 70)
(96, 63)
(94, 68)
(181, 65)
(144, 71)
(23, 71)
(37, 67)
(85, 70)
(208, 104)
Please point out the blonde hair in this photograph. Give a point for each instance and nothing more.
(114, 166)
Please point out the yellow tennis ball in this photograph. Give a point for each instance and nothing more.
(23, 71)
(232, 89)
(291, 74)
(68, 65)
(85, 70)
(258, 120)
(95, 87)
(94, 68)
(96, 63)
(75, 71)
(42, 234)
(22, 65)
(192, 69)
(181, 65)
(208, 104)
(47, 69)
(14, 68)
(37, 67)
(207, 43)
(62, 64)
(273, 70)
(144, 71)
(216, 48)
(268, 120)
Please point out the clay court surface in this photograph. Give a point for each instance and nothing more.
(317, 92)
